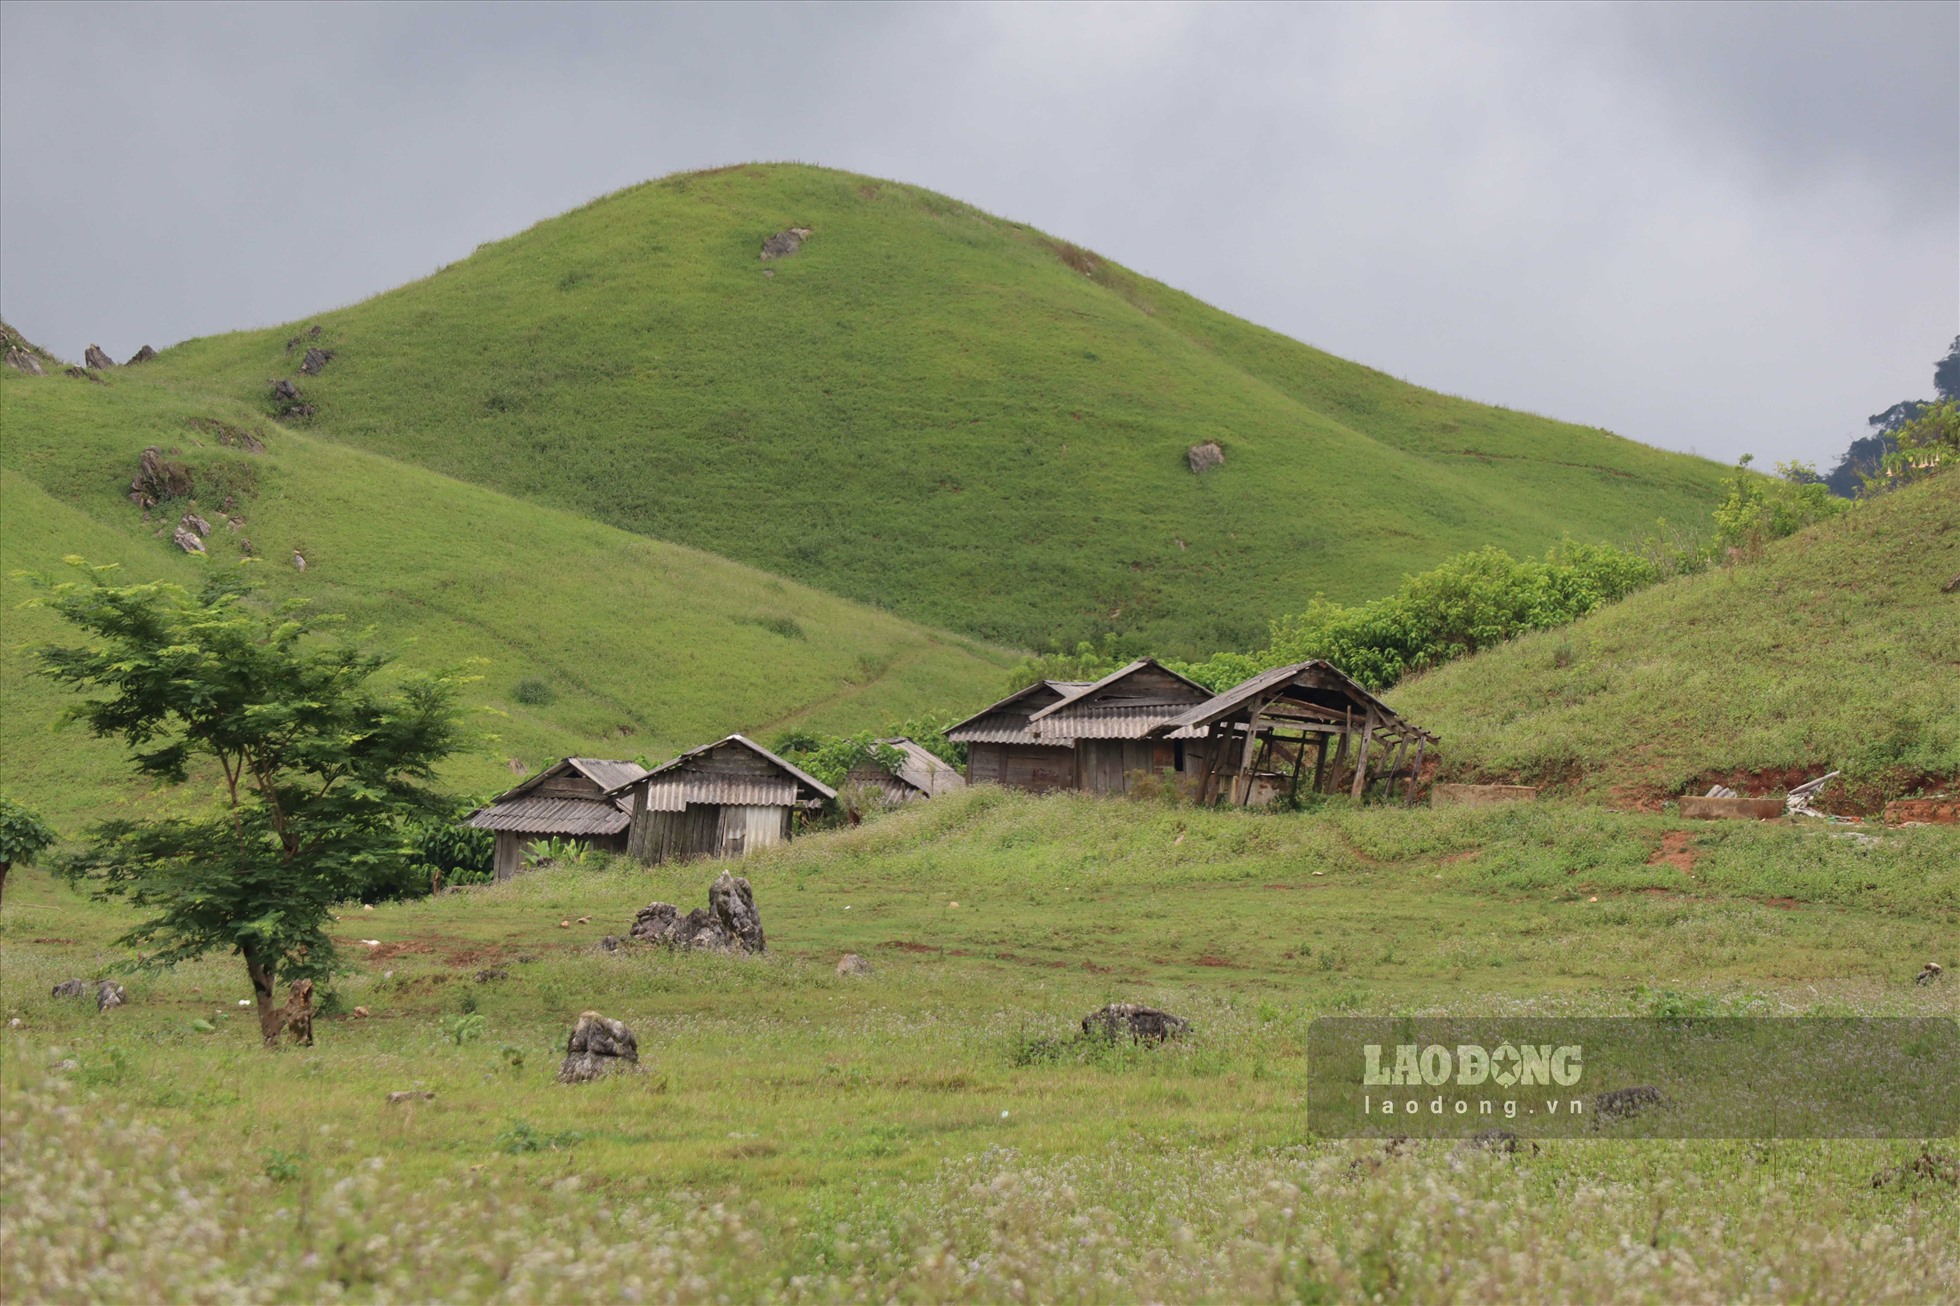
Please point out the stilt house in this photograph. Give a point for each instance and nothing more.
(570, 800)
(723, 799)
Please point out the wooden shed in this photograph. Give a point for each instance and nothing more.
(1000, 749)
(571, 800)
(1261, 736)
(916, 774)
(723, 799)
(1091, 736)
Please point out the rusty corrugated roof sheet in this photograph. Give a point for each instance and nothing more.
(605, 773)
(559, 816)
(1068, 703)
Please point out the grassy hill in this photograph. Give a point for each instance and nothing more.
(641, 647)
(1838, 650)
(937, 411)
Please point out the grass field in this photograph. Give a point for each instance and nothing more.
(642, 647)
(1839, 649)
(804, 1136)
(937, 411)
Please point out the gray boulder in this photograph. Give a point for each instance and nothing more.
(315, 360)
(94, 356)
(158, 478)
(1201, 458)
(1140, 1023)
(734, 907)
(186, 539)
(143, 355)
(22, 361)
(784, 243)
(109, 995)
(598, 1047)
(73, 988)
(852, 964)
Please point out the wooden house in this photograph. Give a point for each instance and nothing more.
(723, 799)
(1088, 736)
(916, 774)
(1260, 736)
(571, 800)
(1000, 749)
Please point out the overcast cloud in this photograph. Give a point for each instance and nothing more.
(1710, 227)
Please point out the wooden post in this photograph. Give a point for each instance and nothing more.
(1361, 759)
(1415, 772)
(1341, 753)
(1394, 764)
(1299, 765)
(1320, 763)
(1245, 758)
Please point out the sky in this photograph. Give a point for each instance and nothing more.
(1716, 228)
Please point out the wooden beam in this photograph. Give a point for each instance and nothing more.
(1320, 765)
(1415, 772)
(1341, 753)
(1361, 759)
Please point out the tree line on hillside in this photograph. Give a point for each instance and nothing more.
(1868, 456)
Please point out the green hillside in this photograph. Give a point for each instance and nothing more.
(936, 411)
(1838, 650)
(642, 647)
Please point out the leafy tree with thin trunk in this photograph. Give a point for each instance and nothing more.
(317, 760)
(23, 837)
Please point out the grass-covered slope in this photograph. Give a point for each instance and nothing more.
(938, 411)
(924, 1133)
(1837, 650)
(643, 647)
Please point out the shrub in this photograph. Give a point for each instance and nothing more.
(1757, 509)
(533, 693)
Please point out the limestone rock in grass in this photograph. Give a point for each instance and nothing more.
(852, 964)
(109, 995)
(143, 355)
(315, 360)
(94, 356)
(1141, 1023)
(73, 988)
(192, 522)
(287, 400)
(598, 1047)
(158, 478)
(186, 539)
(1929, 973)
(1201, 458)
(1490, 1140)
(1623, 1103)
(784, 243)
(22, 361)
(656, 923)
(412, 1095)
(734, 907)
(84, 374)
(490, 973)
(299, 560)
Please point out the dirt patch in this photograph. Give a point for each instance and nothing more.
(1658, 892)
(58, 941)
(1075, 256)
(1470, 855)
(1677, 850)
(904, 946)
(1212, 959)
(1787, 904)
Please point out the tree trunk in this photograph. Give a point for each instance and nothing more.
(272, 1018)
(4, 868)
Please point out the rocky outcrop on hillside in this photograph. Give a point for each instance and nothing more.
(598, 1047)
(96, 356)
(158, 478)
(785, 243)
(729, 923)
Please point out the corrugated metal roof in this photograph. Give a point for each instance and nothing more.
(1112, 681)
(1116, 721)
(1267, 682)
(561, 816)
(1060, 690)
(928, 774)
(695, 762)
(674, 792)
(607, 774)
(999, 728)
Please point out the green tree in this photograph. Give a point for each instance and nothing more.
(317, 762)
(1757, 509)
(1924, 444)
(22, 837)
